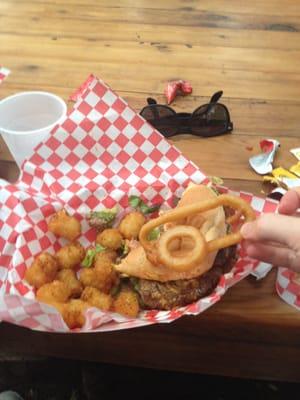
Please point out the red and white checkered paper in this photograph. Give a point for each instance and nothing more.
(101, 154)
(288, 286)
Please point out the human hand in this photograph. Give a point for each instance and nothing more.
(275, 238)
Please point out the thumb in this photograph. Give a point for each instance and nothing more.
(273, 228)
(290, 202)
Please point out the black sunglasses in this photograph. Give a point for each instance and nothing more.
(208, 120)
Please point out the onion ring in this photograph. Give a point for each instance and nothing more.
(200, 251)
(178, 263)
(234, 218)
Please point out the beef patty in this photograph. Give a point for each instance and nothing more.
(167, 295)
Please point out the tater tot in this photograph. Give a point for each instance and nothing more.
(87, 277)
(65, 226)
(73, 313)
(96, 298)
(131, 225)
(42, 270)
(70, 255)
(102, 278)
(110, 238)
(107, 274)
(107, 257)
(68, 277)
(54, 292)
(126, 303)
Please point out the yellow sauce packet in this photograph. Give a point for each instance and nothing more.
(296, 169)
(283, 173)
(296, 152)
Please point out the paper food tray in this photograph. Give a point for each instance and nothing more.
(101, 154)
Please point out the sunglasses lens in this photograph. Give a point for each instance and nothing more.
(210, 120)
(162, 118)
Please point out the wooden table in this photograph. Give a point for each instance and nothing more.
(250, 50)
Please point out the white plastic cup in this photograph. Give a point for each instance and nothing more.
(26, 119)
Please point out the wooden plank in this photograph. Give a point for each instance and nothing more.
(245, 59)
(184, 16)
(268, 7)
(244, 84)
(9, 171)
(149, 34)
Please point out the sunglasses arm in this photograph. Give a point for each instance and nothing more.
(216, 97)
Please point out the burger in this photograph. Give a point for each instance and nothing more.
(163, 288)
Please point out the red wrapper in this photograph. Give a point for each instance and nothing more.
(99, 156)
(174, 88)
(262, 163)
(4, 72)
(267, 146)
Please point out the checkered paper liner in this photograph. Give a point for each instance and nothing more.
(101, 154)
(288, 287)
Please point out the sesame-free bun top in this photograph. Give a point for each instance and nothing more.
(136, 263)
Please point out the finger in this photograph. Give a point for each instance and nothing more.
(274, 228)
(276, 255)
(290, 202)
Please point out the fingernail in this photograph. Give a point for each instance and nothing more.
(246, 230)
